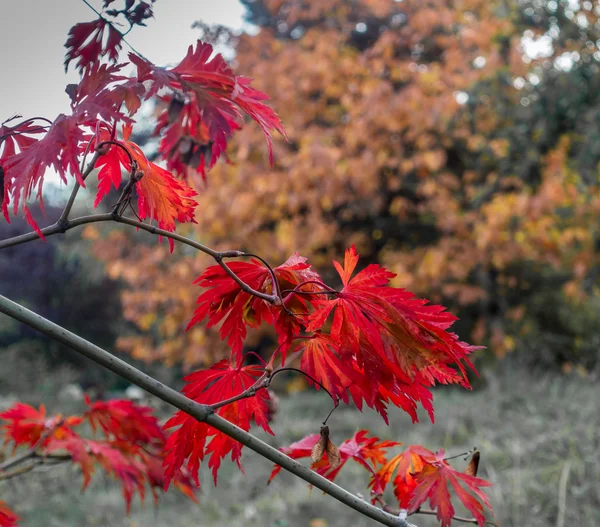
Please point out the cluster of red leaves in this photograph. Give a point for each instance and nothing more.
(224, 301)
(421, 475)
(214, 101)
(87, 41)
(367, 342)
(207, 108)
(130, 446)
(194, 440)
(160, 196)
(370, 342)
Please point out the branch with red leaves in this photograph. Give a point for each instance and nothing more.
(368, 343)
(201, 413)
(128, 445)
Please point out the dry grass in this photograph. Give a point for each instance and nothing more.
(539, 439)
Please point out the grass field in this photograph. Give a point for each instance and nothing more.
(539, 438)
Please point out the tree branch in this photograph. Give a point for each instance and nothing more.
(428, 512)
(64, 217)
(61, 226)
(200, 412)
(457, 518)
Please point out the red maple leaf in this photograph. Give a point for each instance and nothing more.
(14, 139)
(391, 335)
(85, 43)
(160, 196)
(7, 517)
(407, 464)
(26, 426)
(24, 171)
(101, 94)
(125, 421)
(368, 452)
(118, 459)
(194, 440)
(432, 483)
(156, 478)
(321, 359)
(215, 100)
(224, 301)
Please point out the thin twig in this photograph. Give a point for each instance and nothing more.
(336, 402)
(116, 29)
(57, 228)
(429, 512)
(64, 217)
(261, 383)
(31, 452)
(461, 455)
(276, 287)
(18, 471)
(125, 198)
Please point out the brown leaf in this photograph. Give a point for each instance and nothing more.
(317, 451)
(333, 455)
(323, 445)
(473, 465)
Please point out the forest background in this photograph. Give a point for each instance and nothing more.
(456, 143)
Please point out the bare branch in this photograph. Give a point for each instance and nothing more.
(64, 217)
(457, 518)
(60, 228)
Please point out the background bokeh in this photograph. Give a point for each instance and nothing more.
(455, 142)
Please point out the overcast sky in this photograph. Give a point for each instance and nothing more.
(33, 33)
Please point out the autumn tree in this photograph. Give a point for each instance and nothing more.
(364, 342)
(452, 141)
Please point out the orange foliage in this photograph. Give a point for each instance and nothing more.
(401, 142)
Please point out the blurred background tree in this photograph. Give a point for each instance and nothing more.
(455, 142)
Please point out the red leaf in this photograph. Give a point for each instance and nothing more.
(250, 101)
(16, 138)
(84, 43)
(432, 483)
(25, 425)
(407, 464)
(193, 440)
(24, 171)
(225, 302)
(160, 196)
(7, 517)
(99, 96)
(156, 478)
(125, 421)
(215, 100)
(321, 360)
(120, 460)
(394, 338)
(366, 451)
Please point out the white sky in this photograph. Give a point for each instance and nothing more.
(33, 33)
